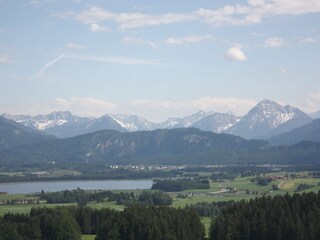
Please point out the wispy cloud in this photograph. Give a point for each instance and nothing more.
(113, 59)
(140, 41)
(107, 59)
(5, 58)
(255, 10)
(87, 106)
(48, 65)
(282, 70)
(170, 108)
(74, 45)
(252, 12)
(97, 14)
(188, 39)
(63, 14)
(95, 27)
(274, 42)
(306, 40)
(235, 54)
(313, 102)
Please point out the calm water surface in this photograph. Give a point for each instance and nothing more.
(33, 187)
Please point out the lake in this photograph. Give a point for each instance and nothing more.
(33, 187)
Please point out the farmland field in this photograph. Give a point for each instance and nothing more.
(243, 188)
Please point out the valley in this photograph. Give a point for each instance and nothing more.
(120, 162)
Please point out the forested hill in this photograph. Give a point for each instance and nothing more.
(13, 134)
(167, 146)
(186, 145)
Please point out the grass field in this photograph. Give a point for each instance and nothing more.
(62, 172)
(112, 205)
(206, 221)
(5, 197)
(88, 237)
(241, 184)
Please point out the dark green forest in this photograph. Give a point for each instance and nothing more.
(292, 217)
(287, 217)
(134, 223)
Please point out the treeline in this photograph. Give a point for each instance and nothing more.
(180, 184)
(93, 175)
(285, 217)
(40, 224)
(223, 176)
(134, 223)
(157, 198)
(147, 198)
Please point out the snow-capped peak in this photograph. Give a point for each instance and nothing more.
(265, 117)
(42, 122)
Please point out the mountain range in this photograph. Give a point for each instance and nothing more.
(21, 145)
(263, 121)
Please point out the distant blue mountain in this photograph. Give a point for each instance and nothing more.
(308, 132)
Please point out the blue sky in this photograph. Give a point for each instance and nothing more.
(157, 59)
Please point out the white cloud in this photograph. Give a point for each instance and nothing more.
(74, 45)
(252, 12)
(256, 10)
(139, 41)
(161, 110)
(5, 58)
(258, 34)
(97, 14)
(306, 40)
(313, 103)
(188, 39)
(152, 110)
(48, 65)
(229, 15)
(256, 2)
(63, 14)
(94, 27)
(274, 42)
(236, 54)
(282, 70)
(82, 106)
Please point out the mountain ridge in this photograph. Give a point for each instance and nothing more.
(13, 134)
(308, 132)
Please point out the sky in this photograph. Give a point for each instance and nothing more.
(158, 59)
